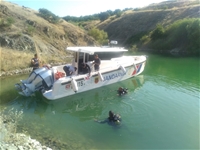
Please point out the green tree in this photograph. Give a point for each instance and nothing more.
(117, 12)
(103, 16)
(48, 15)
(193, 32)
(183, 34)
(99, 35)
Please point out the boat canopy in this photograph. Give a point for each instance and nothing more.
(92, 50)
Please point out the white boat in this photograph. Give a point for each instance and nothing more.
(114, 67)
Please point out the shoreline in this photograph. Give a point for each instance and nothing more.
(23, 71)
(15, 72)
(9, 139)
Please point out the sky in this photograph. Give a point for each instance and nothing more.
(79, 8)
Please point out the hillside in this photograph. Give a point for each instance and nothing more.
(133, 24)
(32, 33)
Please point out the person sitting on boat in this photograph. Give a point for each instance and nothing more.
(122, 91)
(69, 70)
(86, 68)
(35, 63)
(113, 119)
(97, 62)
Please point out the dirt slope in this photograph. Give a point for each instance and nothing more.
(30, 32)
(136, 22)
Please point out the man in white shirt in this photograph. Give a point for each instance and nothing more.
(69, 70)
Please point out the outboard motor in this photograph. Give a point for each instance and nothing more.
(34, 74)
(48, 79)
(40, 79)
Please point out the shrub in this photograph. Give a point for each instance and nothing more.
(136, 38)
(158, 32)
(48, 15)
(117, 12)
(165, 7)
(30, 30)
(183, 34)
(103, 16)
(10, 21)
(193, 32)
(134, 48)
(99, 35)
(7, 22)
(145, 39)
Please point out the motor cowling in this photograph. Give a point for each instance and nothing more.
(42, 79)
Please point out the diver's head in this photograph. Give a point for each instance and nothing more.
(111, 114)
(120, 89)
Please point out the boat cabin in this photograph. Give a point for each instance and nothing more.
(86, 55)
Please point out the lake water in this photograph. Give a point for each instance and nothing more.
(160, 111)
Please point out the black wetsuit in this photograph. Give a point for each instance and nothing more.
(86, 69)
(112, 120)
(122, 91)
(97, 62)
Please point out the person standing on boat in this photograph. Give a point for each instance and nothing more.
(35, 62)
(69, 70)
(97, 62)
(86, 68)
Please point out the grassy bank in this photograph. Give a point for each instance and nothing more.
(15, 59)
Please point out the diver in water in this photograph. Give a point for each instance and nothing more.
(113, 119)
(122, 91)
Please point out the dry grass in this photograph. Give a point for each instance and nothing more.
(11, 60)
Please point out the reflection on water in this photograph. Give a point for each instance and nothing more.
(7, 89)
(84, 105)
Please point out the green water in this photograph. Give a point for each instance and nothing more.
(160, 111)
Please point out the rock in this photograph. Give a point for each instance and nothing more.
(20, 147)
(4, 9)
(32, 23)
(46, 29)
(16, 141)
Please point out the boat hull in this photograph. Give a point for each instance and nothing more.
(65, 87)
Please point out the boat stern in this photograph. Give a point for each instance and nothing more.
(41, 79)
